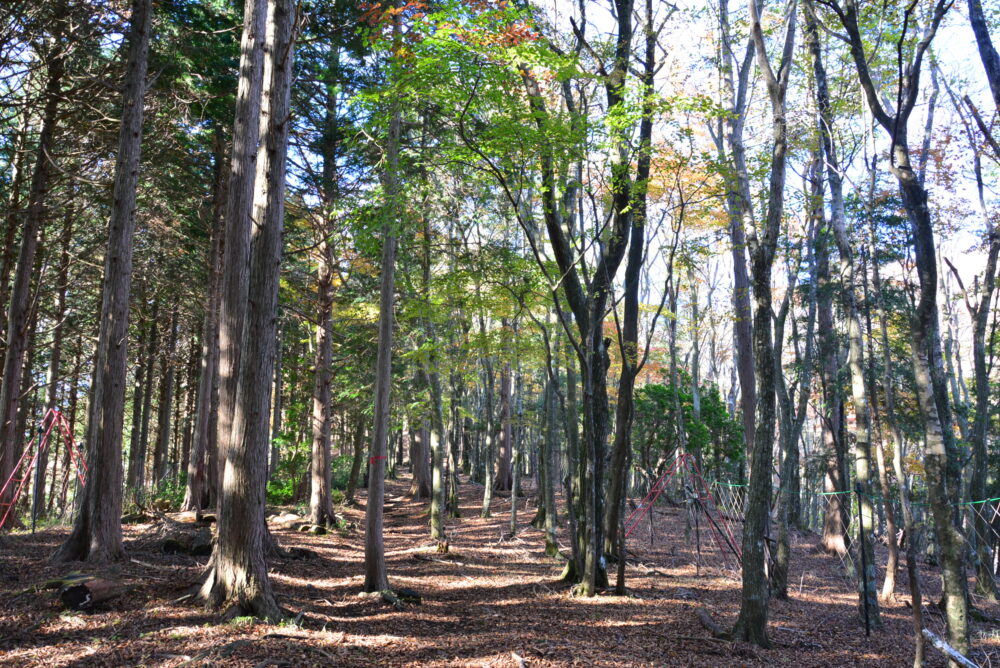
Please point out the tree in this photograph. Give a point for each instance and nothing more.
(979, 311)
(239, 208)
(97, 533)
(320, 506)
(375, 570)
(53, 49)
(728, 137)
(238, 573)
(868, 603)
(751, 625)
(940, 457)
(204, 436)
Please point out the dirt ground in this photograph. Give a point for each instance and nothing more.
(493, 601)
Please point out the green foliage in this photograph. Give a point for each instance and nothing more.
(340, 471)
(171, 490)
(715, 438)
(281, 491)
(283, 484)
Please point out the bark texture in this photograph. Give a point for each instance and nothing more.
(97, 532)
(238, 575)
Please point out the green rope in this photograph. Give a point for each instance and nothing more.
(973, 503)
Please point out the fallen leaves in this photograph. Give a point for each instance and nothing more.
(487, 602)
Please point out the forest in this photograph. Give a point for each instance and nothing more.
(499, 332)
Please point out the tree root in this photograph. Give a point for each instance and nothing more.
(705, 617)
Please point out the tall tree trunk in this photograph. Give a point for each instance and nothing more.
(940, 455)
(19, 307)
(320, 507)
(588, 299)
(358, 460)
(147, 403)
(132, 474)
(752, 623)
(985, 582)
(376, 578)
(868, 598)
(739, 208)
(239, 209)
(549, 469)
(185, 414)
(167, 372)
(136, 479)
(909, 526)
(835, 539)
(28, 392)
(888, 592)
(503, 481)
(195, 496)
(420, 462)
(238, 576)
(455, 441)
(54, 377)
(488, 434)
(793, 409)
(621, 451)
(277, 422)
(97, 532)
(12, 222)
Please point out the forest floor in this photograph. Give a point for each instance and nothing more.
(492, 601)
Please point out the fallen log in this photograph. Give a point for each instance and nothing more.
(86, 595)
(949, 651)
(705, 617)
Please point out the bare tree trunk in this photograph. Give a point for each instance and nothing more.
(185, 414)
(420, 462)
(456, 439)
(276, 415)
(985, 581)
(55, 359)
(376, 578)
(239, 208)
(621, 451)
(503, 479)
(167, 372)
(550, 469)
(940, 456)
(147, 403)
(868, 600)
(14, 212)
(912, 571)
(195, 496)
(358, 461)
(489, 433)
(793, 409)
(136, 479)
(97, 532)
(751, 625)
(19, 307)
(740, 211)
(238, 575)
(835, 539)
(320, 507)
